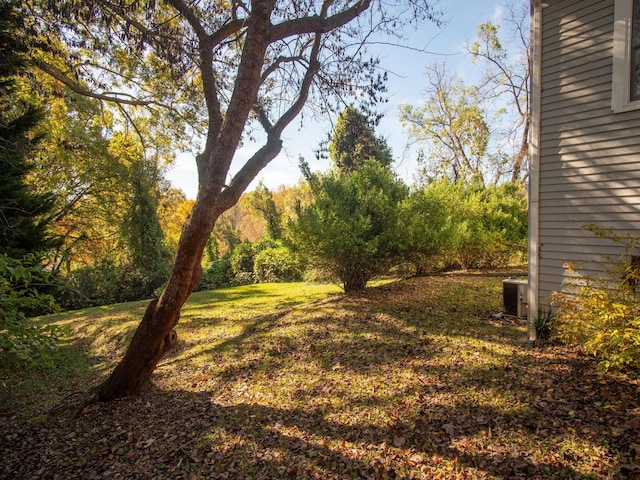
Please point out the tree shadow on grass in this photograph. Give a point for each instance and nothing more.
(180, 434)
(360, 387)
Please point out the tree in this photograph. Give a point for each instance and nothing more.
(352, 230)
(24, 213)
(507, 77)
(141, 230)
(354, 141)
(452, 123)
(214, 66)
(261, 200)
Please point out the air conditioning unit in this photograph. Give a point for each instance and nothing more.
(514, 298)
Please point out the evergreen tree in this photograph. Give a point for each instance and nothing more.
(354, 141)
(23, 213)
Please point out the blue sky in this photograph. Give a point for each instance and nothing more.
(406, 85)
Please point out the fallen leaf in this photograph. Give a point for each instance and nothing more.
(399, 441)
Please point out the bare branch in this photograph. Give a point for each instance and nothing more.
(317, 23)
(190, 16)
(115, 97)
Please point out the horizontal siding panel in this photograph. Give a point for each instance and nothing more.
(625, 218)
(584, 253)
(576, 67)
(549, 238)
(565, 185)
(552, 240)
(576, 88)
(600, 161)
(594, 194)
(557, 15)
(569, 170)
(584, 133)
(608, 180)
(583, 71)
(606, 119)
(614, 155)
(586, 46)
(595, 17)
(594, 208)
(597, 144)
(574, 114)
(590, 78)
(561, 28)
(566, 111)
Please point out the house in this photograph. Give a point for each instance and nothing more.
(585, 138)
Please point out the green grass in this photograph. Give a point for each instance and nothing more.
(412, 379)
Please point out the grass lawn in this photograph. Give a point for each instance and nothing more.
(412, 379)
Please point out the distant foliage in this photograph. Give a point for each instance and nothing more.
(354, 141)
(217, 274)
(277, 264)
(601, 314)
(480, 227)
(242, 258)
(22, 342)
(109, 282)
(25, 213)
(426, 228)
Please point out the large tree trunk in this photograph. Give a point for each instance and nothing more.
(155, 334)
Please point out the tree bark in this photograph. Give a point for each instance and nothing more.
(155, 334)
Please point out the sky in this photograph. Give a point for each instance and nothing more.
(406, 69)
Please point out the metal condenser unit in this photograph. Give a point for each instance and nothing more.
(514, 298)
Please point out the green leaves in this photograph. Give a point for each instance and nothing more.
(354, 141)
(352, 229)
(452, 126)
(21, 342)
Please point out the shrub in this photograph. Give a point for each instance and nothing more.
(242, 258)
(277, 265)
(107, 283)
(218, 274)
(479, 226)
(21, 342)
(352, 230)
(601, 314)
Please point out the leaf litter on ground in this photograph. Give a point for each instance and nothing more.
(411, 380)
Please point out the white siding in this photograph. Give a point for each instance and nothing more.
(589, 157)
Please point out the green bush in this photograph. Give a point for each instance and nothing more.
(601, 314)
(21, 342)
(352, 230)
(479, 226)
(107, 283)
(277, 265)
(242, 258)
(218, 274)
(426, 226)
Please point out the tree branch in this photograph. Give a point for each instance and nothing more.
(190, 16)
(116, 97)
(317, 23)
(273, 146)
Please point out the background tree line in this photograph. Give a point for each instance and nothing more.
(112, 222)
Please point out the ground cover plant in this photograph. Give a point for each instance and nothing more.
(411, 379)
